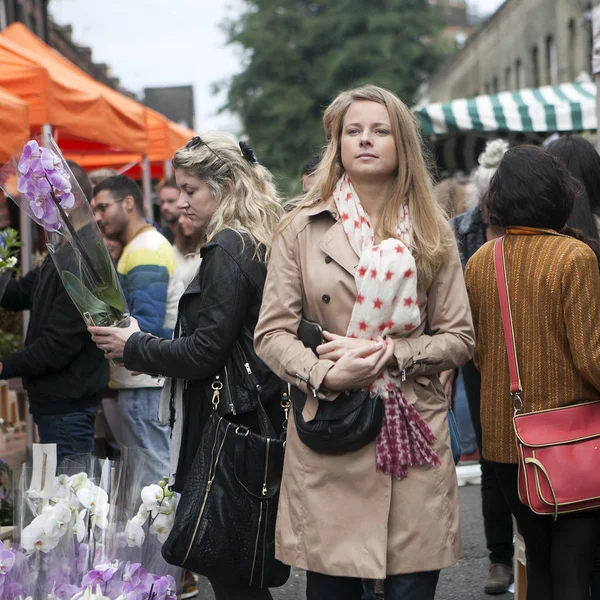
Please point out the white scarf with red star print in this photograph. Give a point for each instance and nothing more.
(387, 305)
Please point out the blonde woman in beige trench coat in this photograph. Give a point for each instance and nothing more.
(339, 517)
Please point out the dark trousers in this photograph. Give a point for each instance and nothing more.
(560, 554)
(73, 433)
(412, 586)
(497, 518)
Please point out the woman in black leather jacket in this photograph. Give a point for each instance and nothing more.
(228, 194)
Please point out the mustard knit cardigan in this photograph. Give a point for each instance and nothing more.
(554, 290)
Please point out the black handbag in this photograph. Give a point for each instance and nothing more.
(347, 423)
(225, 520)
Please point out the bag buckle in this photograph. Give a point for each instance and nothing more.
(285, 404)
(517, 402)
(217, 386)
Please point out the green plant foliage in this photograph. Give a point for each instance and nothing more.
(298, 54)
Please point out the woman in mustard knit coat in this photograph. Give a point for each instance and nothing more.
(554, 287)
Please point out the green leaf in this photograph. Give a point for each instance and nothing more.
(110, 294)
(106, 263)
(84, 300)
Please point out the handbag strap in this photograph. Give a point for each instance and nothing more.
(516, 389)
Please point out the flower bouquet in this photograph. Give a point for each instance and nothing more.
(49, 193)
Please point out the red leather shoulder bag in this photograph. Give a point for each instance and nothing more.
(559, 448)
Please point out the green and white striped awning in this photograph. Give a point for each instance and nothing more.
(459, 130)
(548, 109)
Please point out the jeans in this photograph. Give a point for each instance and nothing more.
(73, 433)
(410, 586)
(497, 518)
(560, 554)
(141, 430)
(468, 440)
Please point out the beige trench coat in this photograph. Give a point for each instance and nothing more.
(337, 514)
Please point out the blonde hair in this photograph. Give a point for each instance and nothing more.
(432, 236)
(488, 160)
(244, 193)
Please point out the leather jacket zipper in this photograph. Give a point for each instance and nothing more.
(229, 392)
(212, 474)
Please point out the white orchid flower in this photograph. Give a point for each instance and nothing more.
(89, 594)
(152, 496)
(33, 536)
(134, 533)
(168, 506)
(94, 498)
(80, 528)
(57, 519)
(161, 527)
(142, 514)
(79, 481)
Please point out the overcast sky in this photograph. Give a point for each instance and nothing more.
(152, 43)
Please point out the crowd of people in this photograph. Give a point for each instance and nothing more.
(351, 301)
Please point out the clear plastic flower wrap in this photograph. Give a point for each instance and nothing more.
(40, 181)
(145, 510)
(78, 535)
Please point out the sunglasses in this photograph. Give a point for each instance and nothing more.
(103, 206)
(196, 142)
(245, 149)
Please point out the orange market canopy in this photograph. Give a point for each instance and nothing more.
(60, 94)
(164, 138)
(14, 123)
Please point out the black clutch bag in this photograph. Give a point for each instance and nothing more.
(347, 423)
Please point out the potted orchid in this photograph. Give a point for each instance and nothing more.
(157, 510)
(49, 193)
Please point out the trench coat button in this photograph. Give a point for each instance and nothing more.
(325, 298)
(328, 259)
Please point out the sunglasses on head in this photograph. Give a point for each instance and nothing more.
(245, 149)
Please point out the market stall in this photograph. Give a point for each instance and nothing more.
(458, 130)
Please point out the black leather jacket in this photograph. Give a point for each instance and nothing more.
(219, 307)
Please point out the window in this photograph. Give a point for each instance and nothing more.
(519, 75)
(572, 49)
(487, 87)
(508, 78)
(551, 62)
(3, 15)
(535, 67)
(495, 89)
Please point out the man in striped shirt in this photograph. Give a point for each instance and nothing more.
(146, 271)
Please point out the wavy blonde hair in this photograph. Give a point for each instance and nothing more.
(432, 236)
(244, 193)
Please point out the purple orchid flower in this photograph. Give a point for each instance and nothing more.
(64, 591)
(45, 183)
(165, 588)
(31, 157)
(100, 575)
(7, 561)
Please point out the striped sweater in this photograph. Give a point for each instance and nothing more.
(152, 289)
(554, 289)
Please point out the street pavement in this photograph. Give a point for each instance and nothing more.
(463, 581)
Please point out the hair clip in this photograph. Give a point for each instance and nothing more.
(248, 153)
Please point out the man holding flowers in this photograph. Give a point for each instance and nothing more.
(63, 371)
